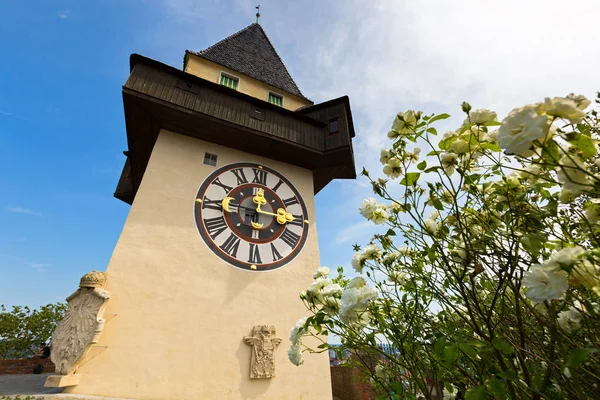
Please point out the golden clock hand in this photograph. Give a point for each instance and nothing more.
(282, 215)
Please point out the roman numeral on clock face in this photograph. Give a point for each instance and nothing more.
(298, 220)
(290, 202)
(239, 174)
(290, 238)
(212, 204)
(226, 188)
(275, 253)
(215, 226)
(277, 186)
(254, 254)
(260, 176)
(230, 246)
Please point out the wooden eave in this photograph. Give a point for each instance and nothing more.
(157, 96)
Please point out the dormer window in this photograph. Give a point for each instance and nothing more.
(276, 99)
(334, 127)
(229, 80)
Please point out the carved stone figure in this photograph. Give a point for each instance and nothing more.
(264, 343)
(82, 323)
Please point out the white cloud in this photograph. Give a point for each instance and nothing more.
(64, 14)
(23, 210)
(39, 266)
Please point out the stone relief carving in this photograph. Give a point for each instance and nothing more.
(263, 343)
(82, 324)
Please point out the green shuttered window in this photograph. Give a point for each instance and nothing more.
(276, 99)
(229, 81)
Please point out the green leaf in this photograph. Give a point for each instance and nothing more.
(439, 117)
(502, 346)
(468, 350)
(390, 232)
(439, 346)
(491, 146)
(437, 204)
(422, 165)
(551, 152)
(450, 355)
(578, 356)
(432, 130)
(493, 123)
(476, 393)
(410, 179)
(496, 388)
(433, 153)
(432, 169)
(533, 243)
(583, 143)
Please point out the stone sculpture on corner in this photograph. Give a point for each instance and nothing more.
(263, 343)
(80, 327)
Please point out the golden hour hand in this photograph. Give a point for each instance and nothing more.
(226, 203)
(282, 216)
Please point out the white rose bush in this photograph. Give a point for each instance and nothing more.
(485, 279)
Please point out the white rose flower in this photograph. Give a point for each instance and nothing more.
(431, 225)
(585, 273)
(393, 168)
(520, 129)
(333, 289)
(380, 216)
(580, 101)
(567, 256)
(449, 162)
(562, 107)
(395, 207)
(295, 355)
(322, 272)
(354, 303)
(357, 282)
(569, 320)
(460, 146)
(405, 122)
(398, 277)
(385, 155)
(481, 117)
(358, 262)
(571, 173)
(545, 283)
(298, 331)
(449, 134)
(368, 207)
(372, 252)
(317, 286)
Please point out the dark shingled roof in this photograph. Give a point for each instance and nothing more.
(250, 52)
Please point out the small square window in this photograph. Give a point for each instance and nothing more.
(276, 99)
(334, 127)
(210, 159)
(229, 80)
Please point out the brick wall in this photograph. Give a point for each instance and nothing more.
(10, 367)
(348, 383)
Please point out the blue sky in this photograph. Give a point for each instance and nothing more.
(62, 130)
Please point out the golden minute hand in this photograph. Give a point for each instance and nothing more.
(282, 215)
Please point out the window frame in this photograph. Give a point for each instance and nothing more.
(211, 157)
(329, 123)
(230, 76)
(275, 94)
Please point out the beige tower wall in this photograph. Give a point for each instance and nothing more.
(212, 72)
(178, 313)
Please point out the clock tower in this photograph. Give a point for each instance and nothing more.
(224, 160)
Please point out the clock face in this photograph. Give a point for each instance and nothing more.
(251, 216)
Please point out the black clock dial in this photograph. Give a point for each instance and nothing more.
(251, 216)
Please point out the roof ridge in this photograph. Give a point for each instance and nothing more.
(226, 39)
(277, 54)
